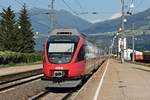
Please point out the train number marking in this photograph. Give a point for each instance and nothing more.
(59, 68)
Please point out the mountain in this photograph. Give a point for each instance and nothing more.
(40, 20)
(138, 19)
(41, 23)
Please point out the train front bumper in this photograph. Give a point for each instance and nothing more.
(61, 82)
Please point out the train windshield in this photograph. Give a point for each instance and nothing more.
(61, 47)
(60, 50)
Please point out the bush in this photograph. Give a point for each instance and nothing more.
(8, 57)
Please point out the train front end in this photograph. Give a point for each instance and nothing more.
(63, 66)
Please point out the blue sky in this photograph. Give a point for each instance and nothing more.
(106, 8)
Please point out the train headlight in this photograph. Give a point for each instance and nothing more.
(59, 73)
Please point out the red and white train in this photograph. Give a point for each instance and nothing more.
(68, 58)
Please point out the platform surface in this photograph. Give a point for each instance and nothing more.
(125, 82)
(12, 70)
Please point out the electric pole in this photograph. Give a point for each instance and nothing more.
(52, 15)
(133, 43)
(122, 30)
(122, 17)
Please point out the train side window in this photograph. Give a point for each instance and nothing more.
(81, 54)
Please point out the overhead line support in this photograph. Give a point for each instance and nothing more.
(52, 15)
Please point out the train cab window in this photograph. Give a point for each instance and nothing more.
(81, 54)
(60, 49)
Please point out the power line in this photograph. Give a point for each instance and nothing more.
(140, 3)
(73, 11)
(130, 9)
(79, 4)
(20, 2)
(84, 13)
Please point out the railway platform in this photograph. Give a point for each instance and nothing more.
(19, 69)
(125, 82)
(118, 82)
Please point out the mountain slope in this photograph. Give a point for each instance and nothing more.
(40, 20)
(138, 19)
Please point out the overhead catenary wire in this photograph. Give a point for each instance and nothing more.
(84, 12)
(20, 2)
(138, 5)
(78, 3)
(134, 8)
(23, 3)
(130, 7)
(73, 11)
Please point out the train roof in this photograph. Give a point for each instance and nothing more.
(65, 31)
(70, 31)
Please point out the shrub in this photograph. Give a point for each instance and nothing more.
(8, 57)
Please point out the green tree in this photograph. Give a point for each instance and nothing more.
(25, 35)
(8, 30)
(1, 42)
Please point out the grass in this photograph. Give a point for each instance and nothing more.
(19, 64)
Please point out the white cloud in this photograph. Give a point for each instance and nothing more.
(97, 20)
(114, 16)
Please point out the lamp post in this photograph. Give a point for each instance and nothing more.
(133, 44)
(112, 45)
(122, 29)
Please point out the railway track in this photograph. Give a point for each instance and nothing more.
(10, 84)
(34, 89)
(62, 94)
(49, 94)
(4, 79)
(39, 95)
